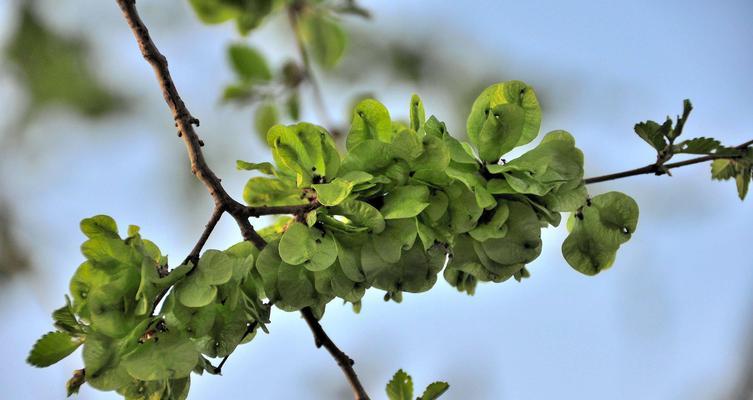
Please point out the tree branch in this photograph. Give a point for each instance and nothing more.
(185, 122)
(345, 362)
(250, 328)
(661, 169)
(279, 210)
(193, 256)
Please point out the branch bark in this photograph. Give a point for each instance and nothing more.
(346, 363)
(185, 122)
(193, 256)
(278, 210)
(660, 169)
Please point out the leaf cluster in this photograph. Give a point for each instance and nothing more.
(729, 162)
(407, 200)
(404, 202)
(128, 349)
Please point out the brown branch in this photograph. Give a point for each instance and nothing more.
(279, 210)
(345, 362)
(661, 169)
(185, 122)
(193, 256)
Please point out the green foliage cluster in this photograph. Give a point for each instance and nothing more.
(212, 308)
(405, 196)
(404, 202)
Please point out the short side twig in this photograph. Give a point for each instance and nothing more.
(346, 363)
(661, 169)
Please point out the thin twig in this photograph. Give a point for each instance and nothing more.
(345, 362)
(280, 210)
(185, 122)
(659, 170)
(250, 328)
(293, 16)
(193, 256)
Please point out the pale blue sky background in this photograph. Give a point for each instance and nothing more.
(671, 320)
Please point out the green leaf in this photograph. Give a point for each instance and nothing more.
(248, 63)
(699, 145)
(417, 113)
(504, 116)
(554, 165)
(308, 246)
(297, 245)
(238, 92)
(494, 228)
(325, 37)
(435, 155)
(263, 167)
(167, 356)
(743, 181)
(405, 202)
(361, 213)
(65, 319)
(371, 120)
(522, 243)
(653, 133)
(598, 231)
(99, 225)
(400, 387)
(305, 150)
(265, 118)
(333, 193)
(434, 390)
(463, 208)
(406, 145)
(215, 267)
(51, 348)
(251, 13)
(723, 169)
(415, 272)
(200, 287)
(293, 106)
(213, 11)
(260, 191)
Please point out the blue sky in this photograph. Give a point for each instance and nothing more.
(670, 320)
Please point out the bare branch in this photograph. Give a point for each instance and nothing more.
(279, 210)
(661, 169)
(185, 122)
(345, 362)
(193, 256)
